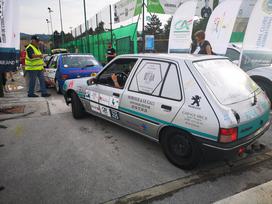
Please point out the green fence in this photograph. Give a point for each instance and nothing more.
(124, 40)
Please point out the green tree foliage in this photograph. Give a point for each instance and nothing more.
(167, 27)
(154, 26)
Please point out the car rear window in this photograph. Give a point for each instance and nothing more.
(78, 61)
(227, 81)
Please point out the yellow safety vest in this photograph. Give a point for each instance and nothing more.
(36, 63)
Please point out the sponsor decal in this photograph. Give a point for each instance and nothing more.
(71, 84)
(115, 114)
(194, 120)
(104, 99)
(196, 100)
(87, 94)
(142, 126)
(95, 107)
(105, 111)
(114, 102)
(94, 96)
(140, 104)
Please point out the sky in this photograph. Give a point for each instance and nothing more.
(33, 14)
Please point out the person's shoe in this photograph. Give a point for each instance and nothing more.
(46, 95)
(32, 95)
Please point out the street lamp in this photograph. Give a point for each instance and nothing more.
(50, 11)
(62, 37)
(86, 28)
(47, 22)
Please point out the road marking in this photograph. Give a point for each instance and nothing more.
(199, 177)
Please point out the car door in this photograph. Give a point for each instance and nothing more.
(154, 96)
(104, 96)
(52, 68)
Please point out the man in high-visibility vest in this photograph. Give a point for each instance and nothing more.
(34, 66)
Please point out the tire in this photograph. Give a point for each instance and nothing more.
(58, 88)
(180, 148)
(267, 88)
(77, 107)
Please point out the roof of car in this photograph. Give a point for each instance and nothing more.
(189, 57)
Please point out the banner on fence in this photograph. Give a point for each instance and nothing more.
(126, 9)
(221, 24)
(181, 28)
(204, 7)
(9, 34)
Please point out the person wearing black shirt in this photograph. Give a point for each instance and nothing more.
(206, 11)
(111, 53)
(200, 45)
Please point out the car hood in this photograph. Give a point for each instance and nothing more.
(261, 71)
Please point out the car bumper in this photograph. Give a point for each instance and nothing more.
(230, 149)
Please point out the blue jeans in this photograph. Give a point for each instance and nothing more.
(32, 81)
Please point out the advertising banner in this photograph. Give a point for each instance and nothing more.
(126, 9)
(182, 27)
(9, 34)
(204, 7)
(258, 36)
(149, 42)
(220, 25)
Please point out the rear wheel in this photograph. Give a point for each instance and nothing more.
(77, 107)
(266, 87)
(180, 149)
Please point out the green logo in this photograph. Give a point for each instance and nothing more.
(183, 26)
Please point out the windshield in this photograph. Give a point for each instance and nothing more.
(255, 59)
(78, 61)
(226, 80)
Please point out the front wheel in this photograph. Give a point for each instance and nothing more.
(180, 149)
(77, 107)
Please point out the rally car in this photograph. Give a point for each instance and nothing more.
(257, 65)
(187, 103)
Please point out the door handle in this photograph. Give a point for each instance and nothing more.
(168, 108)
(116, 94)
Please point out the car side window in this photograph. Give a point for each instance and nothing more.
(171, 87)
(149, 77)
(232, 54)
(119, 68)
(53, 63)
(157, 78)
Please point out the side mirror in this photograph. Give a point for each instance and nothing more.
(92, 81)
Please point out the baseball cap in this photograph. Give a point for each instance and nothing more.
(35, 37)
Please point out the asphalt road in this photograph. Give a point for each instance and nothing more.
(57, 159)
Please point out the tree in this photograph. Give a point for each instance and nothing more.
(167, 27)
(100, 28)
(154, 26)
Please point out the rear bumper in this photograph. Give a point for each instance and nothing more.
(234, 146)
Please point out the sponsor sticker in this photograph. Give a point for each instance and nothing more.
(105, 111)
(94, 96)
(115, 114)
(87, 94)
(114, 102)
(104, 99)
(95, 107)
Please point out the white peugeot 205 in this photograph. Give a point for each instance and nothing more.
(187, 103)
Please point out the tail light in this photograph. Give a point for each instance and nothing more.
(228, 135)
(64, 76)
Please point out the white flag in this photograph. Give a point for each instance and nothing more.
(220, 25)
(181, 28)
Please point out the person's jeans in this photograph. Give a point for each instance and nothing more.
(32, 81)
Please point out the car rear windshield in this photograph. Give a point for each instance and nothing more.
(255, 59)
(78, 61)
(227, 81)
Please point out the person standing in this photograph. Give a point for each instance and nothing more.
(34, 67)
(200, 45)
(111, 53)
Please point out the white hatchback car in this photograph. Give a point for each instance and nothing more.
(187, 103)
(257, 66)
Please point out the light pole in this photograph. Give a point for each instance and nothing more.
(62, 37)
(47, 22)
(50, 11)
(86, 28)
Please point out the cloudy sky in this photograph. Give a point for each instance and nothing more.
(33, 13)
